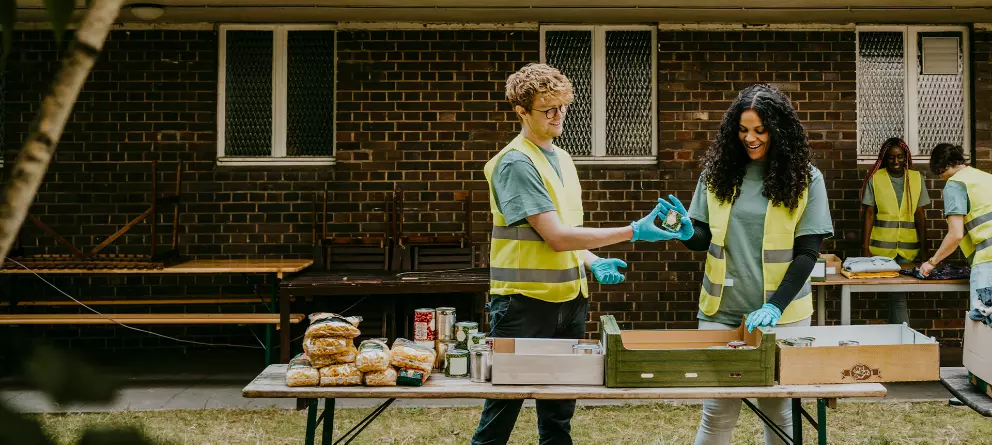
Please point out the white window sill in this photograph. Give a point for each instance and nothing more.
(615, 160)
(231, 161)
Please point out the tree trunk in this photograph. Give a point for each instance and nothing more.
(32, 161)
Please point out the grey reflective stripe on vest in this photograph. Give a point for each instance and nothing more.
(712, 288)
(970, 225)
(716, 251)
(895, 224)
(536, 275)
(983, 245)
(803, 291)
(516, 233)
(894, 245)
(777, 256)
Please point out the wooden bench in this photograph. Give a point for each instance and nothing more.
(159, 319)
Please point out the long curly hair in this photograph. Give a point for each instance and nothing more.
(789, 156)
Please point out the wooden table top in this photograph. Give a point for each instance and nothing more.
(276, 265)
(271, 383)
(956, 381)
(354, 282)
(838, 279)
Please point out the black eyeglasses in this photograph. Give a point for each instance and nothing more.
(551, 112)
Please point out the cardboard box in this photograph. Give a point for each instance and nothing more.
(544, 361)
(684, 358)
(819, 272)
(833, 263)
(887, 353)
(978, 349)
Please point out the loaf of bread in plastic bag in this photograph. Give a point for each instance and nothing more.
(348, 356)
(381, 378)
(328, 324)
(407, 354)
(340, 375)
(301, 372)
(325, 346)
(373, 356)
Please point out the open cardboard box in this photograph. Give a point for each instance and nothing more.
(978, 349)
(682, 357)
(886, 353)
(833, 263)
(544, 361)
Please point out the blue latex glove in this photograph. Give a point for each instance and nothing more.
(686, 230)
(768, 315)
(646, 230)
(605, 270)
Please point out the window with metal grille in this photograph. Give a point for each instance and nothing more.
(276, 95)
(912, 83)
(612, 70)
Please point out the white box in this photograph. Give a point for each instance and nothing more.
(545, 361)
(978, 349)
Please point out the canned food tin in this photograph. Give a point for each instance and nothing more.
(462, 330)
(424, 326)
(673, 220)
(798, 341)
(456, 363)
(584, 348)
(476, 338)
(442, 352)
(848, 343)
(736, 344)
(445, 323)
(480, 366)
(747, 347)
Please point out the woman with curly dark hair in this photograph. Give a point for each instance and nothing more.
(760, 210)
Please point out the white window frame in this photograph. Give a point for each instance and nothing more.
(599, 156)
(911, 62)
(280, 38)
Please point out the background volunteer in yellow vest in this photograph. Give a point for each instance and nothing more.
(539, 248)
(760, 211)
(968, 209)
(892, 200)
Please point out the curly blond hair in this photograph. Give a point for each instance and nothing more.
(536, 79)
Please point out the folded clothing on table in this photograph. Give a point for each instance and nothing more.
(983, 307)
(859, 264)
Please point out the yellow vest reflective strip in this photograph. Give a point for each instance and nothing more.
(894, 231)
(521, 262)
(978, 222)
(776, 256)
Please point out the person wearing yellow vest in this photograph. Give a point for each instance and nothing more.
(539, 249)
(968, 209)
(892, 200)
(760, 211)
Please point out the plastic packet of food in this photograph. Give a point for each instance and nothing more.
(381, 378)
(332, 327)
(340, 375)
(411, 377)
(373, 355)
(325, 346)
(349, 356)
(301, 372)
(407, 354)
(353, 319)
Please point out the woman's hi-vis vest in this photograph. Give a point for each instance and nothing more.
(776, 245)
(520, 261)
(894, 232)
(978, 221)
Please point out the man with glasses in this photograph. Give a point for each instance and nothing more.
(539, 251)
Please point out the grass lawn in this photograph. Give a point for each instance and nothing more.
(660, 423)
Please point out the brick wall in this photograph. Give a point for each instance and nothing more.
(424, 110)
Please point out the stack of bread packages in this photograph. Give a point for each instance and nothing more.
(329, 344)
(412, 361)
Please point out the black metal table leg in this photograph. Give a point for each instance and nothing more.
(797, 421)
(768, 422)
(327, 435)
(821, 427)
(269, 355)
(311, 421)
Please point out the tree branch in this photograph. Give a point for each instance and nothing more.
(46, 130)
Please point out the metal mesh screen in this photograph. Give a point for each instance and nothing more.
(628, 93)
(3, 131)
(881, 89)
(941, 102)
(571, 53)
(310, 93)
(248, 94)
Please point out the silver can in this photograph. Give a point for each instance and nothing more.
(584, 348)
(480, 363)
(445, 320)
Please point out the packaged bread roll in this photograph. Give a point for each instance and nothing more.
(301, 372)
(349, 356)
(325, 346)
(381, 378)
(332, 325)
(373, 356)
(340, 375)
(407, 354)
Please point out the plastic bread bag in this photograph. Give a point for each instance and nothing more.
(301, 372)
(373, 356)
(325, 346)
(407, 354)
(349, 356)
(332, 325)
(340, 375)
(381, 378)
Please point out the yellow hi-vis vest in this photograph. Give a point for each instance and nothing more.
(894, 232)
(978, 221)
(776, 246)
(520, 261)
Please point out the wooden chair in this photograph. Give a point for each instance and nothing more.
(434, 252)
(370, 252)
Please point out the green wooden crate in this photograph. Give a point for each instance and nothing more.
(682, 358)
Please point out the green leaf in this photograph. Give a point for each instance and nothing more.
(60, 11)
(21, 429)
(8, 16)
(127, 435)
(67, 379)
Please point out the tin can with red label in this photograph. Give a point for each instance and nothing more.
(424, 326)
